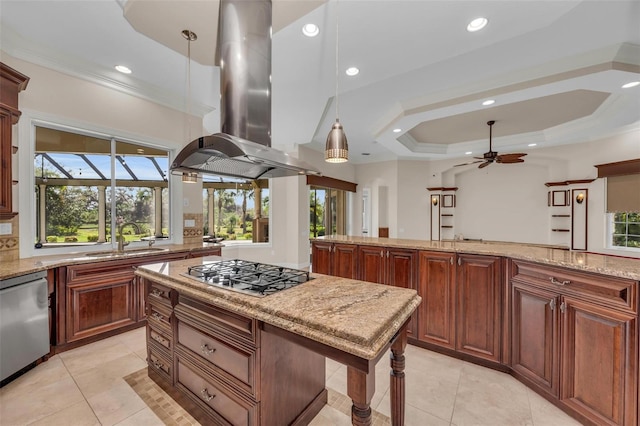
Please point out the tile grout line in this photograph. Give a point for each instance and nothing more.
(79, 390)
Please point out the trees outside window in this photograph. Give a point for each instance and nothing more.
(75, 185)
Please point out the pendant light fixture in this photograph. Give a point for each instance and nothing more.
(189, 36)
(336, 149)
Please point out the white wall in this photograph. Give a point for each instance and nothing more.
(500, 202)
(374, 176)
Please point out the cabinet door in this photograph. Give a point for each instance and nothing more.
(5, 166)
(535, 340)
(321, 257)
(345, 260)
(96, 307)
(478, 319)
(371, 263)
(401, 272)
(436, 313)
(599, 362)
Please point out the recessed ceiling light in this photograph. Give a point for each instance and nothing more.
(123, 69)
(532, 144)
(468, 153)
(477, 24)
(397, 130)
(631, 84)
(351, 71)
(489, 102)
(310, 30)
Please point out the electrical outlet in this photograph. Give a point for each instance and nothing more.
(189, 223)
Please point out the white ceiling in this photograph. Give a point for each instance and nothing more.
(419, 67)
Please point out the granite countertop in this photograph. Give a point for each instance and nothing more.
(623, 267)
(24, 266)
(356, 317)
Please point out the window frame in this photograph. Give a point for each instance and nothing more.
(610, 218)
(27, 203)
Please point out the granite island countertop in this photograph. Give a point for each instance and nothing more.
(623, 267)
(14, 268)
(353, 316)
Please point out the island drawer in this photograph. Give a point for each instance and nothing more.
(160, 336)
(610, 291)
(159, 316)
(224, 406)
(159, 362)
(218, 321)
(159, 294)
(234, 362)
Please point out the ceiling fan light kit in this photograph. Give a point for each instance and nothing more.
(492, 156)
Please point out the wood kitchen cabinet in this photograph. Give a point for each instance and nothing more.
(11, 83)
(478, 306)
(461, 304)
(436, 286)
(95, 300)
(575, 337)
(340, 260)
(391, 266)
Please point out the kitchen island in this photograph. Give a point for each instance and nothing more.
(350, 321)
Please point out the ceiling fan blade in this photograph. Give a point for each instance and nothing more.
(511, 161)
(510, 158)
(466, 164)
(483, 165)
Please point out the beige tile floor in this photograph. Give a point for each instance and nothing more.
(84, 386)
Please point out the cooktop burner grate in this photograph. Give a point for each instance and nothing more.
(257, 279)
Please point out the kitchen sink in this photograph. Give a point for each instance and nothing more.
(141, 250)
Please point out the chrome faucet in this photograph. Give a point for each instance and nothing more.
(120, 238)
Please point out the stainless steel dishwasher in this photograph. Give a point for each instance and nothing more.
(24, 321)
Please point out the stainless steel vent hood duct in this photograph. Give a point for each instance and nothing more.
(243, 148)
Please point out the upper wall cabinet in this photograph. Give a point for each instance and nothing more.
(11, 83)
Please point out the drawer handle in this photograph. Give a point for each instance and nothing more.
(158, 364)
(160, 339)
(205, 394)
(206, 349)
(556, 282)
(157, 316)
(156, 292)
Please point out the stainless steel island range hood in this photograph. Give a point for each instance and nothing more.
(243, 148)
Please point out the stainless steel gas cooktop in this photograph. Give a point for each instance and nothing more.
(256, 279)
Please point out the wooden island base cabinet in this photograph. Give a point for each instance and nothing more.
(224, 369)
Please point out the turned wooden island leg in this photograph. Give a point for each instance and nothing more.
(397, 378)
(360, 388)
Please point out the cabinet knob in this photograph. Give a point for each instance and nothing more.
(205, 394)
(157, 316)
(158, 364)
(156, 292)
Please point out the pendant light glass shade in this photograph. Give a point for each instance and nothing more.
(336, 149)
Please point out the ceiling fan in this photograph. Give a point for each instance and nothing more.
(493, 156)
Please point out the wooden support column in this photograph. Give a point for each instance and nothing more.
(42, 237)
(397, 377)
(360, 388)
(211, 211)
(102, 220)
(157, 198)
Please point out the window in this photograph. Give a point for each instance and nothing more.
(75, 187)
(327, 212)
(236, 210)
(625, 230)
